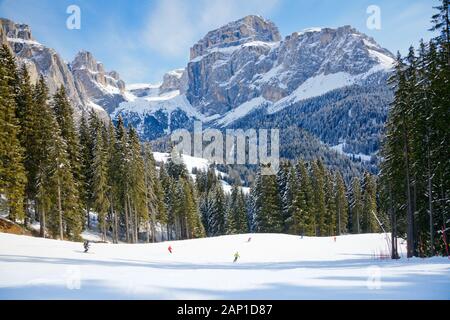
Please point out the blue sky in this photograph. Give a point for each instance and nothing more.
(142, 39)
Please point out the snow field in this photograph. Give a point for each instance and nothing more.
(271, 266)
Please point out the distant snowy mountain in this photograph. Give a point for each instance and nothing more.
(329, 82)
(87, 84)
(244, 72)
(157, 110)
(233, 78)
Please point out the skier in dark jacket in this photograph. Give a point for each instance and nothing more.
(86, 246)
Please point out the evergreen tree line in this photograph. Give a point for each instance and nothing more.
(415, 173)
(57, 174)
(308, 199)
(39, 169)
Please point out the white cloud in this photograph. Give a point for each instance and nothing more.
(175, 25)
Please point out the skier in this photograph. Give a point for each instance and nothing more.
(249, 239)
(236, 256)
(334, 238)
(170, 249)
(86, 246)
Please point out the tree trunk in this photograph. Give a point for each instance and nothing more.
(358, 223)
(339, 221)
(136, 225)
(168, 231)
(188, 235)
(130, 219)
(88, 216)
(153, 228)
(394, 249)
(414, 210)
(61, 230)
(42, 222)
(115, 223)
(127, 235)
(430, 198)
(410, 213)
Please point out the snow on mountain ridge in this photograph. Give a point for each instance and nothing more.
(249, 28)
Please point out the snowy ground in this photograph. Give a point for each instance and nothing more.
(270, 267)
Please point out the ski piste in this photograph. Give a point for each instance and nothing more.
(271, 266)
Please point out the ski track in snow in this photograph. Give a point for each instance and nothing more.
(271, 266)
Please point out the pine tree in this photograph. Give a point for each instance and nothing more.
(136, 182)
(29, 118)
(370, 213)
(86, 159)
(12, 171)
(112, 164)
(64, 116)
(100, 186)
(305, 201)
(212, 202)
(320, 212)
(286, 195)
(121, 186)
(341, 205)
(45, 129)
(168, 186)
(237, 214)
(191, 217)
(218, 220)
(268, 216)
(154, 196)
(64, 212)
(356, 205)
(330, 204)
(441, 23)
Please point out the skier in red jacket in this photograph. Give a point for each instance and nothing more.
(170, 249)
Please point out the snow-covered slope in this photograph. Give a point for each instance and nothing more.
(270, 266)
(199, 164)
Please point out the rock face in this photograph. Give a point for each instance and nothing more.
(248, 29)
(41, 60)
(105, 89)
(227, 71)
(174, 80)
(88, 86)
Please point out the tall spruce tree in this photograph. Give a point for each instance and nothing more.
(369, 222)
(100, 187)
(320, 211)
(12, 171)
(237, 213)
(341, 204)
(356, 205)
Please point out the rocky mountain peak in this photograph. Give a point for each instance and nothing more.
(15, 30)
(174, 80)
(85, 60)
(103, 88)
(247, 29)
